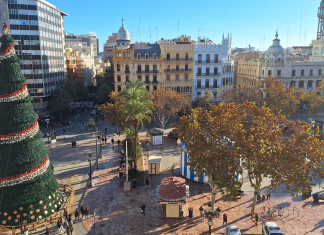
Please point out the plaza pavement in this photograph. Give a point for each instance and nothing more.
(118, 212)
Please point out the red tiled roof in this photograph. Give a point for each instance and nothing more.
(173, 188)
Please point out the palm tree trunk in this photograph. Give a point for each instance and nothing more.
(135, 145)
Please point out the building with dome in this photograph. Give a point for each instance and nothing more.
(123, 39)
(303, 70)
(299, 71)
(135, 61)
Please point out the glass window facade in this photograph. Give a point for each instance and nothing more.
(37, 30)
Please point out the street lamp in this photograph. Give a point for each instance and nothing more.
(210, 215)
(90, 174)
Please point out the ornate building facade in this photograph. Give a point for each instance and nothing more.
(213, 69)
(177, 64)
(136, 61)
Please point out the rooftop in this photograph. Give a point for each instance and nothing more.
(173, 188)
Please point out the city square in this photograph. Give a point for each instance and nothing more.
(180, 134)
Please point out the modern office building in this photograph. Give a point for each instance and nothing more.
(38, 30)
(213, 69)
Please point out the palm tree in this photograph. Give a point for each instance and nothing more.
(61, 99)
(137, 108)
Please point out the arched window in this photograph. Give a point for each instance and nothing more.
(316, 49)
(118, 67)
(187, 89)
(126, 67)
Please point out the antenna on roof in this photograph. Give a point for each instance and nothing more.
(287, 35)
(150, 30)
(178, 29)
(139, 29)
(301, 17)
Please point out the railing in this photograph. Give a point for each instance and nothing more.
(212, 86)
(149, 58)
(117, 71)
(208, 61)
(155, 82)
(207, 74)
(147, 71)
(147, 82)
(177, 59)
(200, 87)
(127, 71)
(177, 70)
(177, 80)
(50, 219)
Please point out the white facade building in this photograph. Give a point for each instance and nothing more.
(213, 69)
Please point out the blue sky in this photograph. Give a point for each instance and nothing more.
(251, 22)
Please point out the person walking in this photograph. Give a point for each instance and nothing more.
(256, 218)
(77, 215)
(143, 209)
(119, 132)
(68, 231)
(86, 212)
(82, 212)
(112, 141)
(218, 210)
(116, 132)
(71, 228)
(60, 225)
(118, 141)
(147, 183)
(269, 194)
(201, 209)
(224, 218)
(47, 232)
(74, 144)
(105, 140)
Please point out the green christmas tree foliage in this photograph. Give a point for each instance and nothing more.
(28, 189)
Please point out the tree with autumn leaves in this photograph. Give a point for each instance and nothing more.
(208, 137)
(218, 138)
(279, 98)
(167, 103)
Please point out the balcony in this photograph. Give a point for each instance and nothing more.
(207, 74)
(200, 87)
(177, 59)
(147, 71)
(177, 70)
(147, 82)
(155, 82)
(208, 61)
(127, 71)
(212, 87)
(117, 71)
(177, 80)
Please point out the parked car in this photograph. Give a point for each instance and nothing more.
(232, 230)
(96, 107)
(271, 228)
(93, 112)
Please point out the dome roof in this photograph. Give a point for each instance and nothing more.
(275, 47)
(123, 33)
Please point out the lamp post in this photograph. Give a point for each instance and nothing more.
(98, 138)
(90, 174)
(210, 215)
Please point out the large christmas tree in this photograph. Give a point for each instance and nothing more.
(28, 189)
